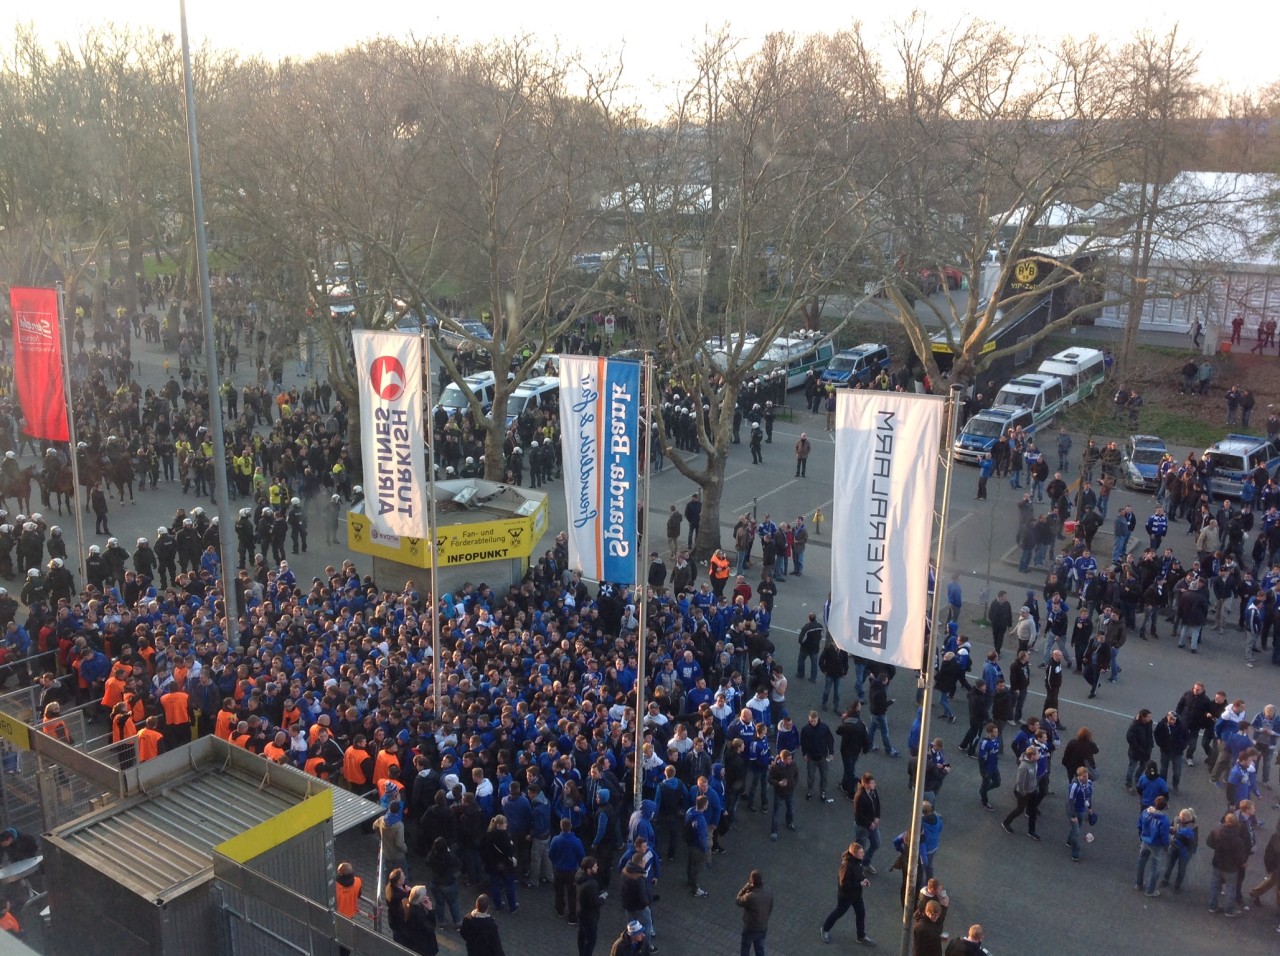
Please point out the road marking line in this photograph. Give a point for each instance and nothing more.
(772, 491)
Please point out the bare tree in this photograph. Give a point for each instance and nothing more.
(745, 193)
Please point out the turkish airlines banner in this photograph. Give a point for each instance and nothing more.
(389, 370)
(37, 362)
(886, 447)
(600, 441)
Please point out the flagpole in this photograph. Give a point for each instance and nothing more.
(71, 432)
(646, 377)
(217, 437)
(924, 683)
(431, 521)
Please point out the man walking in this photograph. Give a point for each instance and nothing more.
(985, 468)
(756, 903)
(818, 744)
(803, 448)
(852, 880)
(693, 515)
(674, 521)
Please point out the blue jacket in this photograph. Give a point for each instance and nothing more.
(566, 852)
(1153, 827)
(1149, 788)
(695, 822)
(519, 815)
(540, 817)
(989, 755)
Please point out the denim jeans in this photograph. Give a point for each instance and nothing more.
(831, 688)
(779, 801)
(758, 780)
(1179, 861)
(797, 560)
(1024, 562)
(946, 706)
(1189, 633)
(753, 939)
(859, 679)
(1147, 878)
(1175, 760)
(1073, 837)
(990, 781)
(812, 658)
(446, 898)
(1220, 880)
(849, 781)
(870, 840)
(881, 723)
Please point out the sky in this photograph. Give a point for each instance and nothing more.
(654, 38)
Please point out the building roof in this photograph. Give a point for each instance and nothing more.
(159, 842)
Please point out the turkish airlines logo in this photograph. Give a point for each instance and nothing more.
(386, 374)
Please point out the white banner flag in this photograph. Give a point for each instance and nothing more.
(600, 441)
(389, 370)
(881, 520)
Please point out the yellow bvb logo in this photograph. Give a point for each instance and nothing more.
(1026, 271)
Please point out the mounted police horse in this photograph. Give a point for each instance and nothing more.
(18, 487)
(56, 484)
(118, 470)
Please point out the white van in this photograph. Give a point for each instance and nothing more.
(454, 399)
(1081, 371)
(533, 392)
(1042, 395)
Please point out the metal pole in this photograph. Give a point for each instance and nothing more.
(431, 525)
(71, 432)
(217, 438)
(924, 682)
(646, 377)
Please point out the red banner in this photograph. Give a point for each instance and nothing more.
(37, 362)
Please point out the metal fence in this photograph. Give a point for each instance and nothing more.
(37, 790)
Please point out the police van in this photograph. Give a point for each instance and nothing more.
(1080, 370)
(481, 385)
(1042, 395)
(859, 364)
(980, 433)
(542, 391)
(797, 354)
(1237, 456)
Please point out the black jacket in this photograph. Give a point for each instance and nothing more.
(1141, 740)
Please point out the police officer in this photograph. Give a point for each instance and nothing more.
(516, 464)
(36, 590)
(535, 464)
(115, 558)
(244, 535)
(144, 558)
(737, 424)
(6, 550)
(768, 421)
(331, 531)
(166, 549)
(757, 438)
(95, 568)
(57, 544)
(61, 583)
(279, 532)
(262, 533)
(188, 545)
(297, 518)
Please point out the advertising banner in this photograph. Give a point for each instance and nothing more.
(389, 370)
(886, 447)
(600, 441)
(37, 362)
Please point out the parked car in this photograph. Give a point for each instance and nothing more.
(1142, 457)
(1235, 457)
(456, 332)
